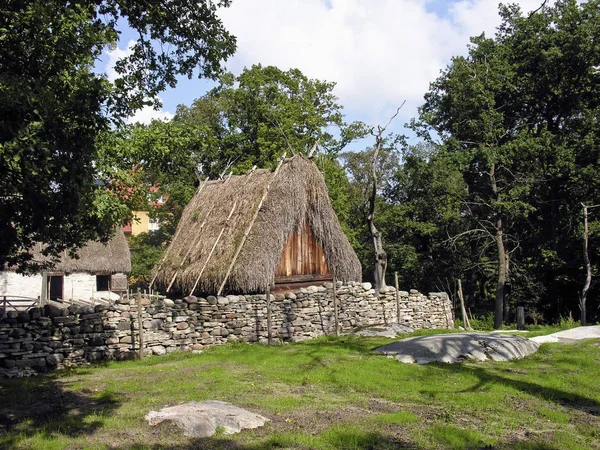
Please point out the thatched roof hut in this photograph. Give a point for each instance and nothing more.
(94, 257)
(245, 232)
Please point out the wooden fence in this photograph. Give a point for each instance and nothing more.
(16, 303)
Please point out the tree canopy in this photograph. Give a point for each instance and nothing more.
(518, 119)
(54, 107)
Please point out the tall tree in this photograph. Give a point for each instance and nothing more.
(519, 114)
(266, 111)
(54, 106)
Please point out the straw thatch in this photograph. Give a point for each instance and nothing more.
(297, 194)
(94, 257)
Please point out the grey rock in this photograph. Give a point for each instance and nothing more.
(54, 359)
(159, 350)
(366, 286)
(453, 348)
(201, 419)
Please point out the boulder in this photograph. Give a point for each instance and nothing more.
(159, 350)
(454, 348)
(201, 419)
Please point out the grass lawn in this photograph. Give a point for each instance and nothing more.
(329, 393)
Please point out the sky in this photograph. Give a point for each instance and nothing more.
(379, 53)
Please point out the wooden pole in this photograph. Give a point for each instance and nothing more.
(520, 318)
(44, 288)
(269, 332)
(397, 297)
(463, 311)
(239, 249)
(213, 250)
(140, 323)
(335, 308)
(179, 228)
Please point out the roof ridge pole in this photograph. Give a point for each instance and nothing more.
(239, 249)
(213, 248)
(174, 237)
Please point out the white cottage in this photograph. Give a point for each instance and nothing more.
(98, 273)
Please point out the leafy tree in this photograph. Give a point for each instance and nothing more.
(254, 118)
(265, 112)
(165, 157)
(519, 117)
(146, 250)
(53, 106)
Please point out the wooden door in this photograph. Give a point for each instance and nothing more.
(302, 259)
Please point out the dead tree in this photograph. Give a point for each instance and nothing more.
(380, 254)
(588, 265)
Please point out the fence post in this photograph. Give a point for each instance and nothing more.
(520, 318)
(140, 323)
(397, 297)
(269, 333)
(335, 308)
(44, 288)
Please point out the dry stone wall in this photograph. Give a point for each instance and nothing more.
(50, 337)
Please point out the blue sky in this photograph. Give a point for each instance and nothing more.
(379, 52)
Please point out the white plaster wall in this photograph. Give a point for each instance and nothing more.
(82, 286)
(79, 286)
(12, 283)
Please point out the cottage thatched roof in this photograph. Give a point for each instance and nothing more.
(296, 194)
(94, 257)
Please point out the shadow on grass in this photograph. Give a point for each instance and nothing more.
(339, 438)
(487, 376)
(43, 406)
(351, 439)
(566, 399)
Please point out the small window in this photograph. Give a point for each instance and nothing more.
(102, 282)
(153, 224)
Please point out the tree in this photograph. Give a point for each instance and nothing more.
(380, 256)
(519, 116)
(265, 112)
(54, 107)
(371, 174)
(254, 118)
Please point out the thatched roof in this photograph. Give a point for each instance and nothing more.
(94, 257)
(296, 194)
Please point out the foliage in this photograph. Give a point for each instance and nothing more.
(517, 121)
(54, 107)
(146, 250)
(265, 112)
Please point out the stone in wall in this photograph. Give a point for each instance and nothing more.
(48, 338)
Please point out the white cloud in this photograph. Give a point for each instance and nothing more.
(380, 53)
(113, 56)
(146, 114)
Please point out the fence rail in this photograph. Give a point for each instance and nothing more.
(16, 303)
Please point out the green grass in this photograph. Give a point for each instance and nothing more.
(328, 393)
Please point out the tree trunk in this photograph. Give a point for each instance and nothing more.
(380, 255)
(507, 288)
(499, 304)
(588, 267)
